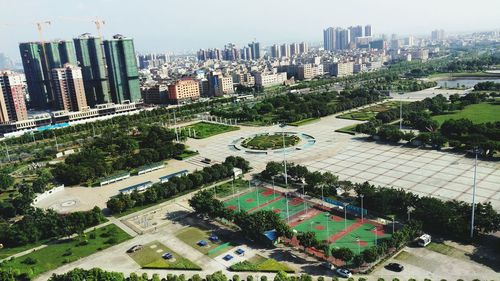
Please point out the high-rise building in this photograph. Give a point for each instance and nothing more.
(275, 51)
(69, 91)
(368, 30)
(343, 38)
(38, 61)
(437, 35)
(255, 49)
(303, 48)
(12, 97)
(355, 32)
(294, 49)
(330, 39)
(122, 69)
(285, 50)
(90, 56)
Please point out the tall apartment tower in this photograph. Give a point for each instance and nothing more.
(12, 97)
(355, 32)
(343, 38)
(38, 60)
(122, 69)
(275, 51)
(303, 48)
(285, 50)
(90, 56)
(69, 91)
(368, 30)
(255, 49)
(330, 39)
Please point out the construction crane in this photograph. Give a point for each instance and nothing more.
(98, 24)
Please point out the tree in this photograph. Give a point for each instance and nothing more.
(281, 276)
(272, 169)
(370, 254)
(6, 181)
(344, 254)
(308, 239)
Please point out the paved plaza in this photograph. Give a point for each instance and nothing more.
(423, 171)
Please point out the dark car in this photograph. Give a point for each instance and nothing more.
(395, 267)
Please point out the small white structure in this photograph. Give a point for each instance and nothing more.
(424, 240)
(237, 172)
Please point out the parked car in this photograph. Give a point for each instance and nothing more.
(328, 265)
(395, 267)
(343, 272)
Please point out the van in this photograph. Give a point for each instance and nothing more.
(424, 240)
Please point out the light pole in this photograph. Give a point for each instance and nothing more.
(362, 210)
(175, 125)
(359, 245)
(401, 111)
(274, 190)
(7, 151)
(322, 196)
(55, 137)
(286, 175)
(327, 226)
(256, 193)
(345, 216)
(410, 209)
(375, 231)
(473, 196)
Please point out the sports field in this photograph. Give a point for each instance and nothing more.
(328, 225)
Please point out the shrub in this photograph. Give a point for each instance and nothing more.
(92, 235)
(68, 252)
(29, 261)
(236, 277)
(249, 278)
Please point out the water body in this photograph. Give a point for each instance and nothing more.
(468, 83)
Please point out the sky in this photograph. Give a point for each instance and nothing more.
(187, 25)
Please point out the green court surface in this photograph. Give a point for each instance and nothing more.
(295, 206)
(250, 200)
(192, 235)
(318, 225)
(361, 238)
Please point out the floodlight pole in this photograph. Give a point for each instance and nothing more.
(362, 210)
(345, 216)
(274, 190)
(473, 196)
(286, 175)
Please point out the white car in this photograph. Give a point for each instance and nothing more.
(343, 272)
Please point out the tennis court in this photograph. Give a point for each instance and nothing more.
(327, 224)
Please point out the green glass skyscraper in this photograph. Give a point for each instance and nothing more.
(91, 60)
(122, 69)
(38, 63)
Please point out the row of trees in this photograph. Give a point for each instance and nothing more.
(178, 185)
(118, 150)
(295, 107)
(487, 86)
(37, 224)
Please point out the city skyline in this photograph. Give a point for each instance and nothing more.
(179, 35)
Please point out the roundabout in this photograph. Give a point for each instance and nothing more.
(272, 142)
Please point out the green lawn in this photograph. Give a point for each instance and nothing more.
(186, 154)
(270, 141)
(7, 252)
(262, 264)
(56, 255)
(304, 122)
(463, 74)
(150, 256)
(192, 235)
(368, 113)
(347, 130)
(203, 130)
(477, 113)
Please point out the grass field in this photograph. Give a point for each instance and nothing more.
(326, 225)
(150, 256)
(204, 130)
(186, 154)
(270, 141)
(477, 113)
(192, 235)
(304, 122)
(347, 130)
(368, 113)
(463, 74)
(55, 255)
(7, 252)
(260, 263)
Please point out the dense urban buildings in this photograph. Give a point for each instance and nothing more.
(338, 38)
(122, 69)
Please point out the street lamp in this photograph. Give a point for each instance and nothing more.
(375, 231)
(473, 196)
(401, 111)
(345, 215)
(286, 175)
(7, 151)
(362, 210)
(410, 209)
(55, 137)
